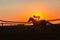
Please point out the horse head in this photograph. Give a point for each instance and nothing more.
(33, 21)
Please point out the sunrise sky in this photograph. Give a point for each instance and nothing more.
(21, 10)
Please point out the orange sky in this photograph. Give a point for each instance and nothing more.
(20, 11)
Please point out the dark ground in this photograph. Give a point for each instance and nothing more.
(21, 32)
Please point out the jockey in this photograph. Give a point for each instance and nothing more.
(37, 18)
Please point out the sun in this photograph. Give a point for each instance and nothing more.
(39, 14)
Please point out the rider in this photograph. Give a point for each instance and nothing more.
(40, 23)
(36, 18)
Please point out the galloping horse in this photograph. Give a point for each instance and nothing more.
(39, 23)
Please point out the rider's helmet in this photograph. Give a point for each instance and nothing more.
(36, 16)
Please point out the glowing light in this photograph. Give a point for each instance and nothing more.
(37, 13)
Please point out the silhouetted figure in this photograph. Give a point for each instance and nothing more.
(37, 17)
(40, 24)
(35, 22)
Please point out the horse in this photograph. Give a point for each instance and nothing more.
(40, 24)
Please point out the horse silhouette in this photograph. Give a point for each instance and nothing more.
(39, 23)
